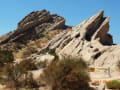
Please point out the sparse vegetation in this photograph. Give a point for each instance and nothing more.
(68, 74)
(17, 76)
(28, 65)
(28, 51)
(41, 64)
(6, 57)
(52, 52)
(114, 84)
(13, 73)
(17, 46)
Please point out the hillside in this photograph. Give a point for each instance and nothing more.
(42, 40)
(33, 31)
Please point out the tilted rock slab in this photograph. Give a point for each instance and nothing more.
(34, 26)
(89, 40)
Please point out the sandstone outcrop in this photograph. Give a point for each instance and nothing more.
(34, 26)
(93, 29)
(37, 25)
(89, 40)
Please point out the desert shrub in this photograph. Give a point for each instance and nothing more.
(6, 57)
(52, 52)
(32, 50)
(41, 64)
(28, 64)
(18, 76)
(17, 46)
(28, 51)
(13, 73)
(29, 81)
(114, 84)
(68, 74)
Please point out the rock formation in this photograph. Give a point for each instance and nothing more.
(34, 26)
(89, 40)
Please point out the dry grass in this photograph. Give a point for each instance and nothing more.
(68, 74)
(6, 35)
(19, 54)
(40, 43)
(2, 37)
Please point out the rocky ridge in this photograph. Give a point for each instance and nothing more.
(44, 32)
(89, 40)
(33, 27)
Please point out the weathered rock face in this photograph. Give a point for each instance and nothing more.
(34, 26)
(95, 28)
(89, 40)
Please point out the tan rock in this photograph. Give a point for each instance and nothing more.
(89, 40)
(102, 33)
(34, 26)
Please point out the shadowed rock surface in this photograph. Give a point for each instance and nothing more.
(33, 24)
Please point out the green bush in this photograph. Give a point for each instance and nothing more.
(114, 84)
(68, 74)
(6, 57)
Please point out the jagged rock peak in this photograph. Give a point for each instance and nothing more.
(33, 25)
(94, 28)
(88, 40)
(32, 16)
(38, 17)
